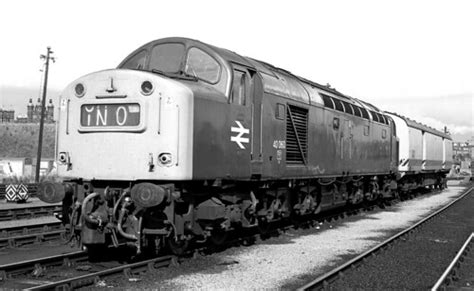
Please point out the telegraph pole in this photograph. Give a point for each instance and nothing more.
(43, 101)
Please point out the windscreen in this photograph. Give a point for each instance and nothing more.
(167, 57)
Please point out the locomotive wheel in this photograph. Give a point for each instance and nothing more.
(264, 226)
(177, 246)
(218, 237)
(152, 246)
(296, 220)
(96, 252)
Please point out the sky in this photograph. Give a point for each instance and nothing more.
(415, 58)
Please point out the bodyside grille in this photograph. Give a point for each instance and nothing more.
(296, 135)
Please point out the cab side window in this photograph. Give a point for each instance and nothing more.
(202, 66)
(239, 88)
(136, 62)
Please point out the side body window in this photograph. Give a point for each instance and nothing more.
(375, 117)
(327, 101)
(239, 88)
(357, 111)
(365, 114)
(338, 105)
(348, 108)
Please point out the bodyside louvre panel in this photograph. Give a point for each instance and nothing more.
(296, 135)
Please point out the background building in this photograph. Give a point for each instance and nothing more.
(34, 112)
(463, 151)
(7, 116)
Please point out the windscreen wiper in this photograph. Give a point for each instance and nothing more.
(179, 75)
(188, 76)
(156, 71)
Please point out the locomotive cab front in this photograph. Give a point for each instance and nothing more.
(125, 137)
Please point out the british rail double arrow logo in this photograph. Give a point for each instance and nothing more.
(241, 130)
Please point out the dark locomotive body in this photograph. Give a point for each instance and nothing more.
(188, 141)
(292, 134)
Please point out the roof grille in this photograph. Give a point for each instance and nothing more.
(296, 135)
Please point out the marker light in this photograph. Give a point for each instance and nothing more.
(146, 88)
(80, 90)
(165, 159)
(62, 157)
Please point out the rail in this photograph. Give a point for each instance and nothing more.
(128, 269)
(24, 267)
(444, 277)
(28, 212)
(330, 276)
(33, 233)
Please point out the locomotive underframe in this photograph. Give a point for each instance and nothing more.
(107, 212)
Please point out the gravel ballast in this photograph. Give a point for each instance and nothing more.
(416, 261)
(294, 257)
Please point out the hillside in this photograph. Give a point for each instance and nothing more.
(21, 140)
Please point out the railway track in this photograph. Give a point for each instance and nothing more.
(10, 271)
(15, 273)
(326, 279)
(129, 270)
(27, 233)
(452, 275)
(29, 212)
(26, 268)
(33, 233)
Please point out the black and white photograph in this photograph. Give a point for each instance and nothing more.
(249, 145)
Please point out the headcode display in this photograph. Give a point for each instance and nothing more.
(110, 115)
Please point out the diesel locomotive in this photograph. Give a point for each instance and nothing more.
(187, 141)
